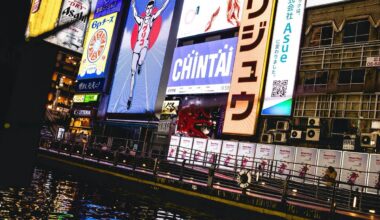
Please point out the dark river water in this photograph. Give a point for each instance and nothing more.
(55, 194)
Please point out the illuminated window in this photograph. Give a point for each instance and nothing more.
(357, 31)
(322, 35)
(351, 76)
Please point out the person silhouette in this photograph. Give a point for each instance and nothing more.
(145, 25)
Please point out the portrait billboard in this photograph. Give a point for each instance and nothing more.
(106, 7)
(246, 154)
(173, 147)
(199, 16)
(72, 36)
(354, 170)
(327, 158)
(43, 17)
(284, 160)
(249, 68)
(264, 155)
(184, 150)
(97, 46)
(202, 68)
(305, 164)
(141, 57)
(373, 179)
(228, 155)
(198, 152)
(283, 60)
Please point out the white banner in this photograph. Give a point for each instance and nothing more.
(184, 150)
(373, 179)
(198, 152)
(328, 158)
(246, 154)
(213, 151)
(305, 163)
(173, 148)
(284, 160)
(228, 155)
(283, 61)
(264, 155)
(200, 16)
(354, 169)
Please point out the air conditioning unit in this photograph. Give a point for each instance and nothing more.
(313, 122)
(282, 125)
(368, 140)
(279, 137)
(312, 134)
(296, 134)
(267, 138)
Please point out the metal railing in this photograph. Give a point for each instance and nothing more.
(286, 187)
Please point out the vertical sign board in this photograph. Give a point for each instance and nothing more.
(374, 173)
(96, 48)
(228, 155)
(264, 156)
(284, 160)
(198, 152)
(72, 36)
(249, 68)
(354, 169)
(43, 17)
(328, 158)
(200, 16)
(141, 57)
(173, 148)
(184, 149)
(283, 61)
(213, 151)
(305, 164)
(202, 68)
(245, 156)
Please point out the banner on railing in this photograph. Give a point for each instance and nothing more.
(246, 154)
(228, 155)
(198, 152)
(284, 159)
(184, 149)
(264, 155)
(172, 152)
(305, 164)
(213, 151)
(327, 158)
(354, 170)
(373, 179)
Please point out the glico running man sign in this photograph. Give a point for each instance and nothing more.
(249, 68)
(141, 57)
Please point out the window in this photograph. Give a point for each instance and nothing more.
(357, 31)
(322, 36)
(351, 76)
(316, 78)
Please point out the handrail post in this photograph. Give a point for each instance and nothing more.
(332, 204)
(156, 162)
(210, 176)
(182, 169)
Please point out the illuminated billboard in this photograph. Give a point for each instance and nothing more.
(96, 48)
(106, 7)
(249, 68)
(202, 68)
(373, 173)
(85, 98)
(200, 16)
(305, 164)
(284, 156)
(228, 155)
(327, 158)
(283, 60)
(43, 17)
(246, 154)
(198, 152)
(264, 155)
(141, 57)
(213, 151)
(354, 170)
(72, 36)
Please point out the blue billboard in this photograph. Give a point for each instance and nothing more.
(105, 7)
(141, 57)
(202, 68)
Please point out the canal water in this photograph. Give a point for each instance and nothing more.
(58, 194)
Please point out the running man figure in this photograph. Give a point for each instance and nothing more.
(141, 48)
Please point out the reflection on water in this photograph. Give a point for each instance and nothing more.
(53, 195)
